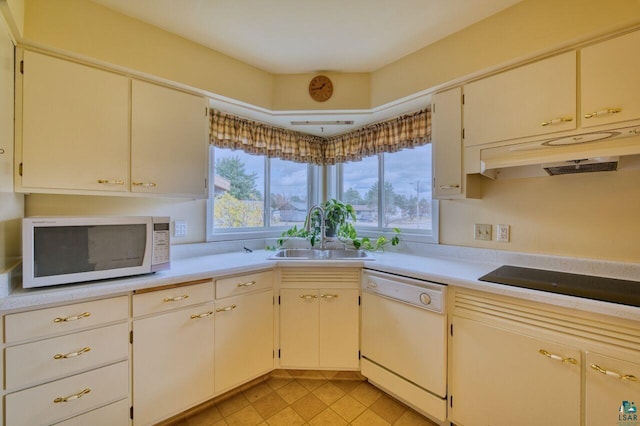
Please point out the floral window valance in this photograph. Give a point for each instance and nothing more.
(228, 131)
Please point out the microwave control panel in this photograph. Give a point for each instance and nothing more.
(161, 244)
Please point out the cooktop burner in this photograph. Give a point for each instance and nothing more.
(590, 287)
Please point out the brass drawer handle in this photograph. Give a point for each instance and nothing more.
(73, 318)
(329, 296)
(203, 315)
(557, 357)
(628, 377)
(308, 296)
(110, 182)
(449, 186)
(557, 120)
(72, 354)
(72, 397)
(175, 299)
(145, 184)
(247, 284)
(226, 308)
(605, 111)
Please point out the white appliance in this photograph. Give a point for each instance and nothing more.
(404, 336)
(65, 250)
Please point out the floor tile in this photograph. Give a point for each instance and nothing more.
(248, 416)
(276, 383)
(328, 393)
(233, 404)
(292, 392)
(388, 408)
(313, 374)
(369, 418)
(286, 417)
(256, 392)
(308, 406)
(311, 384)
(328, 418)
(348, 408)
(365, 393)
(269, 405)
(206, 417)
(346, 385)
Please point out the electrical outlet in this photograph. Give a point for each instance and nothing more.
(502, 233)
(482, 231)
(180, 228)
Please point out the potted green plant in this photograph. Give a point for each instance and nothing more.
(339, 223)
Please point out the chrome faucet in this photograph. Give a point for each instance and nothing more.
(322, 224)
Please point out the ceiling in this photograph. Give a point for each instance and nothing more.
(308, 36)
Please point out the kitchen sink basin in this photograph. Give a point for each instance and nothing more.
(318, 254)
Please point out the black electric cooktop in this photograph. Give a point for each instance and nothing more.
(590, 287)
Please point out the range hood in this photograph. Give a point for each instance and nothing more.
(576, 153)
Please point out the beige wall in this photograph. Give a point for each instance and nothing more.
(350, 91)
(11, 212)
(526, 29)
(593, 215)
(86, 28)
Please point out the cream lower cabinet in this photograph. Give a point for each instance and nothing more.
(173, 351)
(500, 378)
(243, 329)
(612, 391)
(319, 318)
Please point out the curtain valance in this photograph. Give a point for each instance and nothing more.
(229, 131)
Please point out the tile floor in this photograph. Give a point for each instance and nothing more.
(304, 397)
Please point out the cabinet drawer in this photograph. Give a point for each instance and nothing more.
(116, 414)
(243, 284)
(63, 398)
(62, 319)
(47, 359)
(172, 298)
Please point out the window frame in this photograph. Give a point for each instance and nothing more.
(266, 231)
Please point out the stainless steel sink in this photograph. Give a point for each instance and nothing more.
(318, 254)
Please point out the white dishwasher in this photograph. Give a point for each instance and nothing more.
(404, 340)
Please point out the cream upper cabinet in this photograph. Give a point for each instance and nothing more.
(610, 81)
(75, 126)
(243, 329)
(169, 146)
(503, 378)
(531, 100)
(446, 140)
(612, 391)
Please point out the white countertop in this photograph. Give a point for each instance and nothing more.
(459, 267)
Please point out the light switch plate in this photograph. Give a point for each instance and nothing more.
(482, 231)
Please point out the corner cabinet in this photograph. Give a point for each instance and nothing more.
(519, 362)
(319, 318)
(84, 130)
(449, 177)
(531, 100)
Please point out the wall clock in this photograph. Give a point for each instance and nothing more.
(320, 88)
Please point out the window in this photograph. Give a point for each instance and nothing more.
(392, 190)
(251, 193)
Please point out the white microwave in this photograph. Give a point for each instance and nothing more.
(65, 250)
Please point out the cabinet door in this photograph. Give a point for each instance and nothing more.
(75, 126)
(446, 139)
(501, 378)
(6, 109)
(613, 391)
(168, 141)
(244, 338)
(299, 327)
(339, 328)
(531, 100)
(173, 355)
(610, 81)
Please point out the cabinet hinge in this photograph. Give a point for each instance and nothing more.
(451, 330)
(359, 355)
(451, 401)
(359, 300)
(131, 412)
(278, 300)
(279, 354)
(131, 337)
(22, 67)
(206, 111)
(206, 183)
(433, 108)
(462, 99)
(463, 133)
(20, 169)
(273, 354)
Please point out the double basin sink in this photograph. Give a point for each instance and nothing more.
(322, 254)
